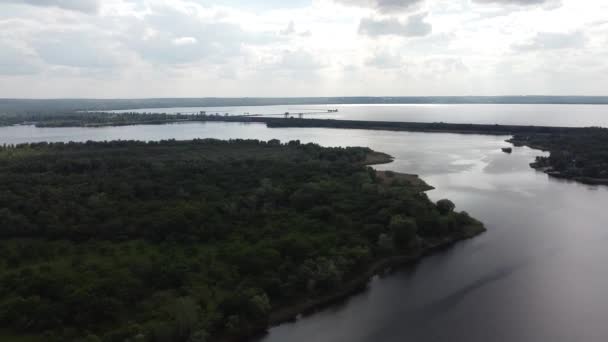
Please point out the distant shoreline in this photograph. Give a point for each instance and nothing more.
(536, 137)
(427, 127)
(29, 106)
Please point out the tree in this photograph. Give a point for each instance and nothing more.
(445, 206)
(404, 230)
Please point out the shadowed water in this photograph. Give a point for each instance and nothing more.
(538, 274)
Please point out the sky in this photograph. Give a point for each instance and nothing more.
(280, 48)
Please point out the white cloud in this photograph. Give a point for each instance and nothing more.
(553, 41)
(414, 26)
(515, 2)
(384, 6)
(185, 41)
(290, 29)
(86, 6)
(385, 60)
(145, 48)
(17, 61)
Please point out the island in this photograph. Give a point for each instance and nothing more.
(200, 240)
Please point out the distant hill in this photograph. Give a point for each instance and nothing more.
(17, 106)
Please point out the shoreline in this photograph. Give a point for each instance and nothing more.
(291, 312)
(549, 170)
(582, 180)
(419, 127)
(354, 286)
(423, 127)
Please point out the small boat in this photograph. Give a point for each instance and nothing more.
(507, 150)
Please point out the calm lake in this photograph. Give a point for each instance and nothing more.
(507, 114)
(538, 274)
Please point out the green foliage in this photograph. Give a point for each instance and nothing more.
(445, 206)
(580, 154)
(186, 241)
(404, 231)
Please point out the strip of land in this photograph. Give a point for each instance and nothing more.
(576, 153)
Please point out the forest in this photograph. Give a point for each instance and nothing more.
(580, 155)
(89, 119)
(198, 240)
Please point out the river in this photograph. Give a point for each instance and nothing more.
(538, 274)
(505, 114)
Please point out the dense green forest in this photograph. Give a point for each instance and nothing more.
(581, 155)
(194, 240)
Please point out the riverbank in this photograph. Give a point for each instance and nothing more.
(110, 119)
(232, 234)
(359, 283)
(574, 151)
(566, 144)
(579, 156)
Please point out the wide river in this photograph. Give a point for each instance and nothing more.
(538, 274)
(506, 114)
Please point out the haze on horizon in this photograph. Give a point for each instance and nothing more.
(238, 48)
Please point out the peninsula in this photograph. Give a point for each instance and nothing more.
(199, 240)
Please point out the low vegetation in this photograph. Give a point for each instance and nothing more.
(194, 240)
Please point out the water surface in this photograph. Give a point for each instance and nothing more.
(507, 114)
(538, 274)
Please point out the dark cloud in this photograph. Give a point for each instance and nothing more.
(384, 6)
(86, 6)
(553, 41)
(414, 26)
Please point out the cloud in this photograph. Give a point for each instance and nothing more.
(513, 2)
(290, 29)
(385, 60)
(85, 6)
(16, 61)
(173, 37)
(414, 26)
(185, 41)
(384, 6)
(299, 61)
(549, 4)
(439, 66)
(147, 48)
(78, 49)
(553, 41)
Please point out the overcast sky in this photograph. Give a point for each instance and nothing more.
(200, 48)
